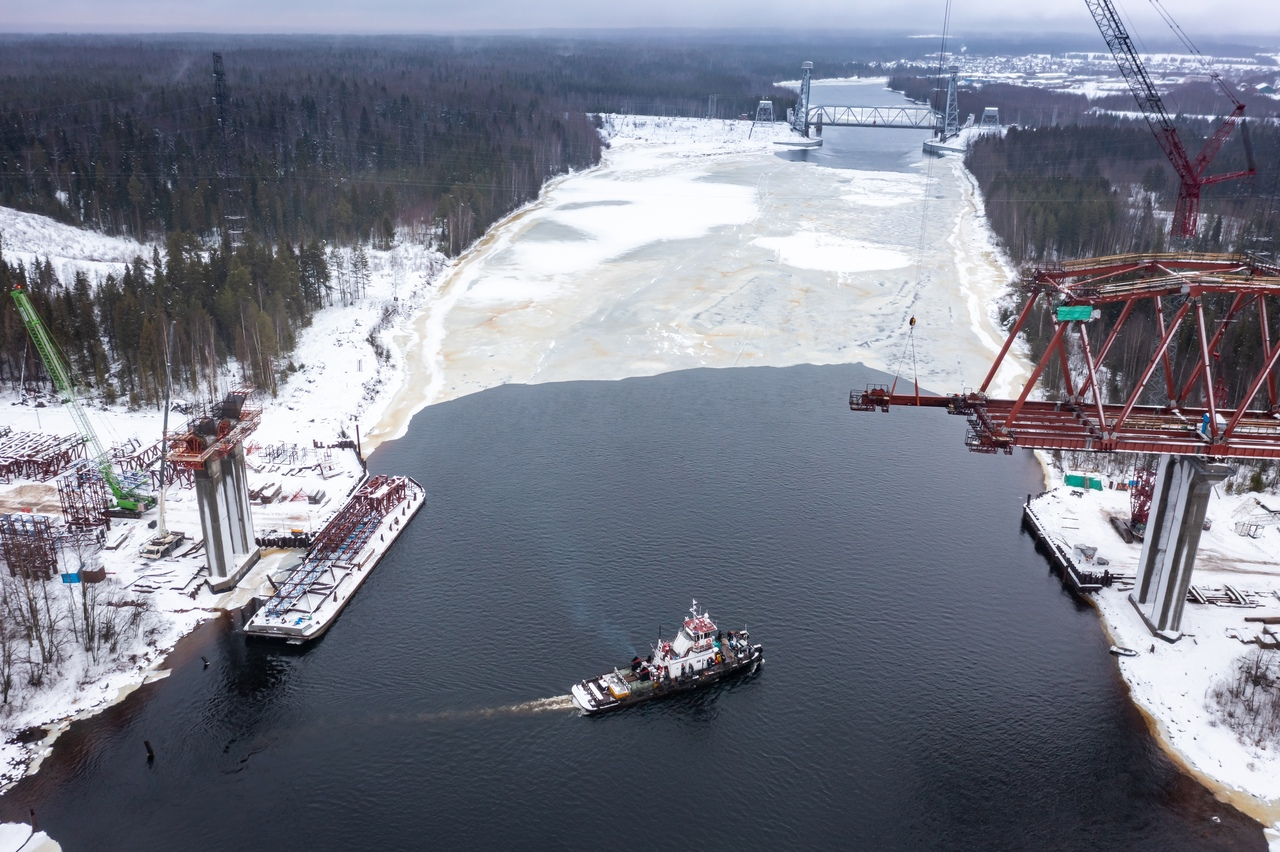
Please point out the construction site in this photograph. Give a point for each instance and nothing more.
(227, 501)
(114, 549)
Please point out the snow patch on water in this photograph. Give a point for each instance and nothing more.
(808, 250)
(882, 189)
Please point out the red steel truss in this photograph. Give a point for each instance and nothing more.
(214, 431)
(28, 546)
(84, 496)
(1175, 285)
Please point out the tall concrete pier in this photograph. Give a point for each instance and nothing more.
(1183, 487)
(212, 448)
(222, 492)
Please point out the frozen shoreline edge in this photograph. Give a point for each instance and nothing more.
(1265, 811)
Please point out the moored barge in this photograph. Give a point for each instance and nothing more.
(341, 557)
(698, 656)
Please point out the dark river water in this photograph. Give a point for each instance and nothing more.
(928, 684)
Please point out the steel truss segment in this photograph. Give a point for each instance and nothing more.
(1084, 274)
(1065, 365)
(1258, 379)
(1237, 305)
(1207, 368)
(1166, 337)
(1035, 374)
(1091, 381)
(1217, 428)
(1161, 354)
(1106, 347)
(1013, 333)
(215, 431)
(1265, 329)
(1048, 425)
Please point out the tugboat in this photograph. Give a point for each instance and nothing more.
(699, 655)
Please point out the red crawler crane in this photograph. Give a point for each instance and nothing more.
(1190, 172)
(1140, 494)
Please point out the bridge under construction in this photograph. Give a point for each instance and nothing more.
(1188, 417)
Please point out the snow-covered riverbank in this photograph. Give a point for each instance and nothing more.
(1173, 684)
(341, 385)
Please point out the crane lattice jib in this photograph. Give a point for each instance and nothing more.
(1144, 91)
(1190, 173)
(61, 376)
(800, 116)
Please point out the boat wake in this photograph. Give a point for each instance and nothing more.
(540, 705)
(554, 704)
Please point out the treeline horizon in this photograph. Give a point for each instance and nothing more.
(346, 139)
(327, 142)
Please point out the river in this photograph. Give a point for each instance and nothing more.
(928, 683)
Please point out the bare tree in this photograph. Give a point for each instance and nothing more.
(1249, 699)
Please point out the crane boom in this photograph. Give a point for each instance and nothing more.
(1190, 174)
(60, 373)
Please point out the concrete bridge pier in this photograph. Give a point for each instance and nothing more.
(1182, 490)
(222, 492)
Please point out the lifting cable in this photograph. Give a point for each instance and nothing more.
(924, 224)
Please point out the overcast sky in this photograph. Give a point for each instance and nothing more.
(1207, 18)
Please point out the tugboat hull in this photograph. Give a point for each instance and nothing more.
(615, 690)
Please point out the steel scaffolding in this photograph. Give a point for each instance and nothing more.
(28, 546)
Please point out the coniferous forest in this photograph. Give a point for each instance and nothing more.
(318, 143)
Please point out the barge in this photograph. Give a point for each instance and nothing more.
(698, 656)
(341, 557)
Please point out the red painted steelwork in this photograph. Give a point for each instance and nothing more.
(1085, 420)
(215, 432)
(1142, 490)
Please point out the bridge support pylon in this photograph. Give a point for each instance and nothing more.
(1182, 490)
(222, 493)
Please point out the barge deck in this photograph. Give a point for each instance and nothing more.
(342, 556)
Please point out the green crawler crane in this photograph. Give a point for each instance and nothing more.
(127, 498)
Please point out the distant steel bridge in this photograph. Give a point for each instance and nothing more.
(910, 117)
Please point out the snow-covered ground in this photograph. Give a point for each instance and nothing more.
(19, 837)
(1172, 683)
(26, 237)
(340, 384)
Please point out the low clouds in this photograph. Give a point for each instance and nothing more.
(970, 18)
